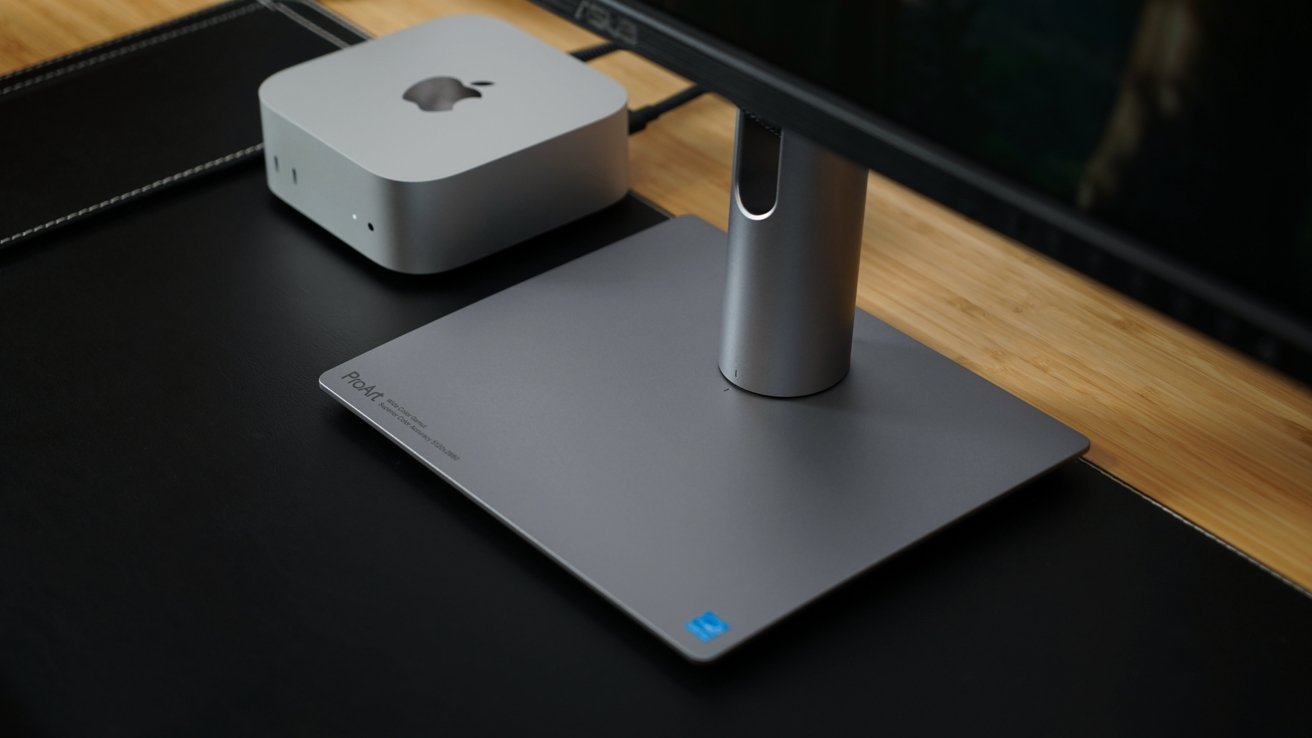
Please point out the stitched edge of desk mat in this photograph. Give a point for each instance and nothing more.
(310, 16)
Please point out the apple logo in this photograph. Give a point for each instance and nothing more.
(437, 94)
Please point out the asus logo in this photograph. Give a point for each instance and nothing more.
(606, 22)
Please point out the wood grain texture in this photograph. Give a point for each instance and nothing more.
(1219, 439)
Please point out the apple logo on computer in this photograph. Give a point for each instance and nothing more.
(437, 94)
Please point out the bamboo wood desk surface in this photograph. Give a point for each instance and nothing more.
(1219, 439)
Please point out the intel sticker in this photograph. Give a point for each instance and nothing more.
(707, 626)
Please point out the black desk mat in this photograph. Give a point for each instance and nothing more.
(109, 124)
(194, 540)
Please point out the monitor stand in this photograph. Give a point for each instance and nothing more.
(583, 409)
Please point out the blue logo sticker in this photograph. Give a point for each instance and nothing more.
(707, 626)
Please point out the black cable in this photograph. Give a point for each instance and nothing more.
(592, 52)
(638, 119)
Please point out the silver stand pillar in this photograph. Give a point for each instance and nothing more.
(795, 218)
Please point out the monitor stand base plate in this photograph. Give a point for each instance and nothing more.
(584, 409)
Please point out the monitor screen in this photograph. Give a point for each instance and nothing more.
(1163, 147)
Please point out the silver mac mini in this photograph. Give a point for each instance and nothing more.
(443, 143)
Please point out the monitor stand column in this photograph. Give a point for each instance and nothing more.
(583, 408)
(796, 212)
